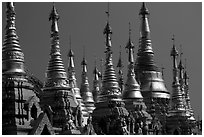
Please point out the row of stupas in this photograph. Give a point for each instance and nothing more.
(140, 105)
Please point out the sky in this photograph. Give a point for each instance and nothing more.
(85, 21)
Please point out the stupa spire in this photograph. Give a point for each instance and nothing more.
(177, 97)
(56, 74)
(120, 72)
(132, 88)
(56, 91)
(71, 73)
(110, 84)
(12, 55)
(181, 67)
(86, 94)
(145, 60)
(187, 95)
(96, 86)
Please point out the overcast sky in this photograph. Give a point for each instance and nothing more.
(85, 23)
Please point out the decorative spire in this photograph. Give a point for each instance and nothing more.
(144, 11)
(71, 55)
(12, 55)
(145, 60)
(174, 53)
(56, 74)
(96, 86)
(120, 72)
(187, 95)
(71, 73)
(130, 47)
(107, 31)
(84, 90)
(86, 94)
(56, 91)
(84, 63)
(120, 63)
(110, 84)
(181, 67)
(177, 97)
(132, 88)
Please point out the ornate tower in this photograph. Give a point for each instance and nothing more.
(56, 90)
(86, 94)
(187, 96)
(132, 88)
(181, 77)
(120, 73)
(147, 73)
(20, 96)
(132, 95)
(177, 122)
(96, 84)
(73, 85)
(109, 108)
(177, 97)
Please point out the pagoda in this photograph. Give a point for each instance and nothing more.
(148, 74)
(110, 114)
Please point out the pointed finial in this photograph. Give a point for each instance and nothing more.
(120, 65)
(174, 52)
(180, 63)
(144, 11)
(173, 39)
(54, 16)
(71, 53)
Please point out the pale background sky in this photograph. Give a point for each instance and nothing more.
(85, 23)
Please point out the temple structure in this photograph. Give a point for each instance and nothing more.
(139, 106)
(153, 89)
(86, 94)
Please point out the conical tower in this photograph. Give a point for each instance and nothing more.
(110, 87)
(177, 96)
(12, 55)
(132, 88)
(177, 118)
(18, 87)
(110, 105)
(86, 94)
(73, 82)
(181, 76)
(147, 73)
(120, 73)
(56, 90)
(132, 95)
(96, 84)
(187, 95)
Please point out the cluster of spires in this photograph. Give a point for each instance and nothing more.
(13, 62)
(180, 93)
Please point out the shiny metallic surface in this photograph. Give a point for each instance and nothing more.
(96, 84)
(177, 100)
(55, 75)
(12, 55)
(132, 88)
(72, 77)
(120, 72)
(86, 94)
(110, 86)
